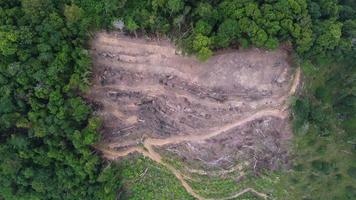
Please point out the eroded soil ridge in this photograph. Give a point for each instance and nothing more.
(228, 111)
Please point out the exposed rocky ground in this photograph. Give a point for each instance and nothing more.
(213, 115)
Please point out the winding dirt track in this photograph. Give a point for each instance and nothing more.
(148, 151)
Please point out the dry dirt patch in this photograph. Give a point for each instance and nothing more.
(227, 110)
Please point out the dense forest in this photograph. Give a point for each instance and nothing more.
(313, 27)
(47, 129)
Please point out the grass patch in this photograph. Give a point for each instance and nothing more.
(323, 146)
(145, 180)
(219, 187)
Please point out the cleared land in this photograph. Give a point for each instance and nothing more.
(216, 117)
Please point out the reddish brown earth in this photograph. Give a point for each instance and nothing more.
(218, 116)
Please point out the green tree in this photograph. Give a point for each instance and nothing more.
(228, 32)
(330, 35)
(201, 41)
(73, 13)
(202, 27)
(204, 53)
(349, 28)
(260, 38)
(131, 25)
(272, 43)
(8, 44)
(175, 6)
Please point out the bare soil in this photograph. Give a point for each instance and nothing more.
(228, 110)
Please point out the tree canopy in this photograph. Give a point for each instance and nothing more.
(46, 127)
(314, 27)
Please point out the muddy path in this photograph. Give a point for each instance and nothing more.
(152, 98)
(148, 151)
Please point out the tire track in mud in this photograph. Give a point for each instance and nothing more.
(148, 151)
(223, 129)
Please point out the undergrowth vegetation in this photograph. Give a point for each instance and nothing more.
(325, 139)
(142, 178)
(217, 186)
